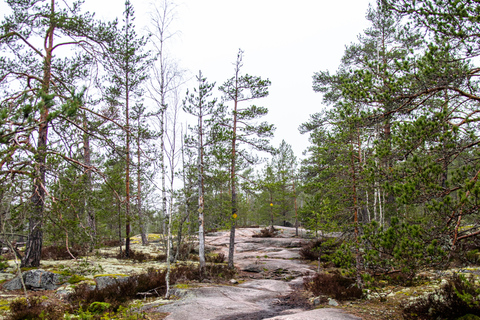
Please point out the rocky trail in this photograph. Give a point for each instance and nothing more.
(274, 275)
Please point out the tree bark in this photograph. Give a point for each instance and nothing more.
(141, 217)
(90, 214)
(231, 249)
(35, 238)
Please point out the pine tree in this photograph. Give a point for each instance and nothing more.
(241, 88)
(127, 65)
(197, 104)
(46, 85)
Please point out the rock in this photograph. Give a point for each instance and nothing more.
(252, 268)
(63, 291)
(317, 314)
(316, 301)
(105, 281)
(233, 281)
(332, 302)
(37, 279)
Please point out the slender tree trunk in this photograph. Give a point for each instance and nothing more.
(162, 165)
(141, 217)
(127, 176)
(120, 239)
(201, 206)
(35, 237)
(169, 252)
(296, 210)
(233, 219)
(271, 208)
(90, 214)
(355, 212)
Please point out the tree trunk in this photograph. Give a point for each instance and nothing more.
(90, 214)
(233, 219)
(355, 211)
(35, 238)
(201, 206)
(296, 210)
(141, 217)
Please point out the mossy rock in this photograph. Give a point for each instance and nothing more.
(76, 279)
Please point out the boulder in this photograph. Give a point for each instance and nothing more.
(252, 268)
(105, 281)
(37, 279)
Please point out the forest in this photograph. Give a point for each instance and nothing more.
(393, 162)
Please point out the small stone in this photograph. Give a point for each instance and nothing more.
(332, 302)
(233, 281)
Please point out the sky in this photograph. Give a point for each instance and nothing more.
(285, 41)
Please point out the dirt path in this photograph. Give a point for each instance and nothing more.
(276, 273)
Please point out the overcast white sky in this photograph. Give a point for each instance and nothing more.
(285, 41)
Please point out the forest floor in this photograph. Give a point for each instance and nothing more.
(268, 285)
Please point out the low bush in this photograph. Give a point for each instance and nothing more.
(59, 252)
(215, 258)
(333, 285)
(185, 250)
(323, 247)
(134, 255)
(268, 232)
(111, 243)
(152, 282)
(458, 298)
(35, 309)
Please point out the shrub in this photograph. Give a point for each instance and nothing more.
(269, 232)
(184, 251)
(3, 263)
(403, 246)
(459, 297)
(57, 252)
(324, 247)
(134, 255)
(215, 258)
(152, 282)
(333, 285)
(111, 243)
(35, 309)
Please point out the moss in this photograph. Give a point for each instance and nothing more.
(28, 269)
(183, 286)
(113, 275)
(4, 305)
(75, 279)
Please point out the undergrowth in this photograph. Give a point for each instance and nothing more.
(150, 283)
(324, 248)
(36, 308)
(333, 285)
(58, 252)
(268, 232)
(459, 297)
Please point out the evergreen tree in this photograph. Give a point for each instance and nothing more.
(197, 104)
(128, 69)
(240, 128)
(44, 89)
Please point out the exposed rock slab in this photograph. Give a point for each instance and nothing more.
(318, 314)
(216, 302)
